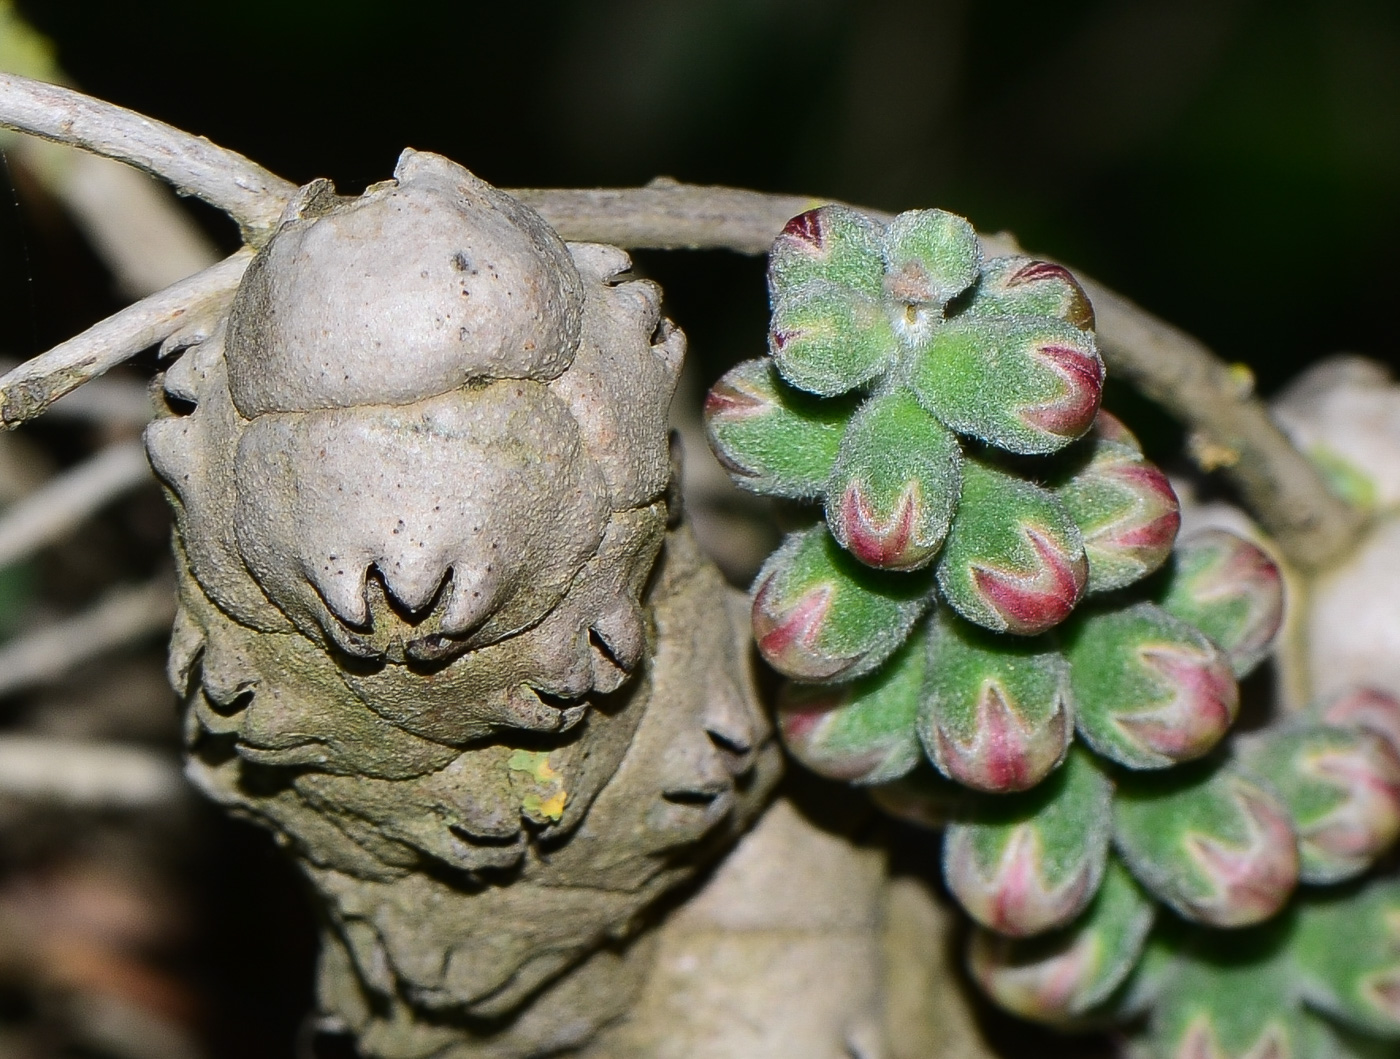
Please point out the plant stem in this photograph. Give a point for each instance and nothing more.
(1311, 525)
(1234, 431)
(37, 383)
(247, 192)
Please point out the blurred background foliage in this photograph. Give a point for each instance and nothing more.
(1233, 165)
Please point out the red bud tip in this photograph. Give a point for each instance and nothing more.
(1071, 413)
(1205, 700)
(1251, 882)
(1032, 603)
(788, 639)
(884, 543)
(1004, 754)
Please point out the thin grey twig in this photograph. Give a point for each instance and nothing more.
(244, 190)
(64, 501)
(1235, 432)
(1312, 525)
(29, 389)
(117, 403)
(87, 775)
(123, 616)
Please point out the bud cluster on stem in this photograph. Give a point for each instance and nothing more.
(993, 571)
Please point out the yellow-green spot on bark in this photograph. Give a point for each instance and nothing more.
(539, 787)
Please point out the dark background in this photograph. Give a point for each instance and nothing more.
(1233, 165)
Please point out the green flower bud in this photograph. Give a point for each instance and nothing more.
(827, 339)
(861, 732)
(1024, 384)
(1232, 997)
(1342, 789)
(930, 257)
(835, 244)
(770, 437)
(1124, 507)
(923, 798)
(1230, 590)
(818, 614)
(1013, 561)
(895, 484)
(1025, 863)
(1368, 709)
(1150, 691)
(996, 714)
(1208, 841)
(1022, 286)
(1347, 952)
(1062, 976)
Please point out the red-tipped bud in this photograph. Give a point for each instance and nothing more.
(1126, 510)
(1150, 691)
(1368, 709)
(820, 615)
(1211, 843)
(834, 244)
(1026, 863)
(1022, 286)
(1060, 977)
(1342, 787)
(996, 713)
(770, 437)
(892, 492)
(1230, 590)
(827, 339)
(1013, 561)
(861, 732)
(1024, 384)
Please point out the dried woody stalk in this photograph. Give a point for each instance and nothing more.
(1311, 524)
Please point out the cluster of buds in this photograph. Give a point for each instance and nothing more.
(995, 570)
(983, 582)
(1068, 884)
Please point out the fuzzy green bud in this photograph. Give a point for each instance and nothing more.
(1342, 789)
(1150, 691)
(996, 713)
(1025, 863)
(1347, 951)
(770, 437)
(827, 339)
(1014, 560)
(1024, 384)
(1208, 841)
(833, 244)
(1062, 976)
(861, 732)
(895, 483)
(1232, 997)
(930, 257)
(1229, 589)
(1124, 506)
(819, 614)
